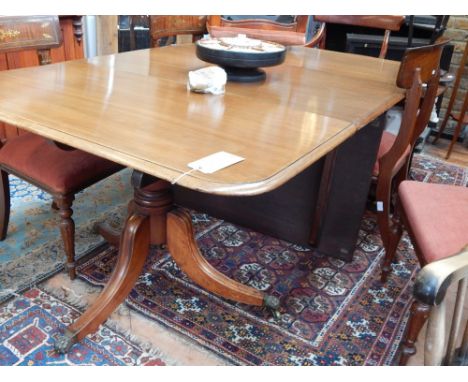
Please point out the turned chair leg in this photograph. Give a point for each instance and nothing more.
(4, 204)
(418, 316)
(390, 251)
(67, 229)
(393, 226)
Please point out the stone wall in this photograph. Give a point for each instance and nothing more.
(457, 30)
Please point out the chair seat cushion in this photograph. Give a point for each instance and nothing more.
(51, 168)
(438, 217)
(388, 139)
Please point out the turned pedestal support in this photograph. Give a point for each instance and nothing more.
(154, 220)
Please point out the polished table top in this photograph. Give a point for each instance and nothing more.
(134, 108)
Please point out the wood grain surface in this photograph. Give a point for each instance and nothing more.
(134, 108)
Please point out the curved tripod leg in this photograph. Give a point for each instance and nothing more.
(183, 248)
(134, 248)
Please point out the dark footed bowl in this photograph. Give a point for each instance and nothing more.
(241, 66)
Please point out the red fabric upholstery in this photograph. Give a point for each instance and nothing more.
(437, 215)
(388, 139)
(60, 171)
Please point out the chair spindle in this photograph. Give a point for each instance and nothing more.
(464, 346)
(457, 318)
(435, 338)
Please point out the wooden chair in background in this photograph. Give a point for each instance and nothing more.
(419, 65)
(293, 33)
(461, 118)
(387, 23)
(184, 28)
(435, 217)
(55, 168)
(71, 48)
(432, 288)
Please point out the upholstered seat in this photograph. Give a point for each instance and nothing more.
(388, 139)
(58, 171)
(438, 217)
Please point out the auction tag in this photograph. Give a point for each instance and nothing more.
(380, 206)
(215, 162)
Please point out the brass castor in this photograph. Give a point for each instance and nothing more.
(64, 342)
(272, 303)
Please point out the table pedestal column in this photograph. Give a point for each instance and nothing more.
(154, 220)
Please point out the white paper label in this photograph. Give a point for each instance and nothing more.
(215, 162)
(379, 206)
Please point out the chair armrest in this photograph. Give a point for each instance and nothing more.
(434, 279)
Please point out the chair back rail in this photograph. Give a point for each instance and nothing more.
(431, 288)
(419, 65)
(39, 33)
(390, 161)
(169, 26)
(298, 25)
(294, 33)
(425, 57)
(388, 23)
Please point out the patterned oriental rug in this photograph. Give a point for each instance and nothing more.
(33, 249)
(30, 323)
(332, 312)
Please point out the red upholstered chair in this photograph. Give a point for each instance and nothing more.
(436, 218)
(387, 23)
(294, 33)
(55, 168)
(419, 66)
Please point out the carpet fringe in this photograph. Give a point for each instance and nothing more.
(146, 346)
(78, 301)
(127, 310)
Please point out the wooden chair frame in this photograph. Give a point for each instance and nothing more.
(461, 117)
(388, 23)
(61, 202)
(419, 65)
(169, 26)
(283, 33)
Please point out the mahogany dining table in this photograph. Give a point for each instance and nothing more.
(309, 134)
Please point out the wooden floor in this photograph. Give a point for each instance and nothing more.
(459, 155)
